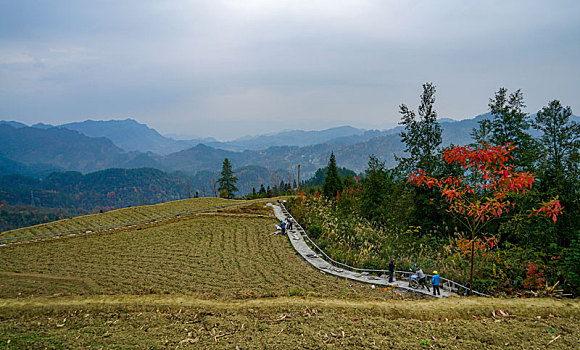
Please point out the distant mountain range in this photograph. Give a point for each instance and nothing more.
(95, 145)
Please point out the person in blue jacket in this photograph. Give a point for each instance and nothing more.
(283, 227)
(435, 283)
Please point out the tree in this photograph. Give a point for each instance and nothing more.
(559, 143)
(510, 124)
(332, 183)
(483, 133)
(558, 166)
(320, 175)
(484, 192)
(421, 136)
(381, 196)
(227, 182)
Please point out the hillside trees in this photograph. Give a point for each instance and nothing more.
(486, 190)
(382, 196)
(318, 178)
(227, 182)
(332, 182)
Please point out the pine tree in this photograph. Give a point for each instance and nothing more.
(332, 182)
(422, 136)
(227, 182)
(560, 141)
(558, 166)
(510, 124)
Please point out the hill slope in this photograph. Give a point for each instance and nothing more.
(129, 135)
(219, 279)
(195, 255)
(59, 147)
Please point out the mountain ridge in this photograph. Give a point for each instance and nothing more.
(28, 146)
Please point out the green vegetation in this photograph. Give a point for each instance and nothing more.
(318, 179)
(383, 216)
(26, 201)
(332, 183)
(422, 136)
(227, 182)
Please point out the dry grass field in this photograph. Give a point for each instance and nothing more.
(121, 216)
(219, 279)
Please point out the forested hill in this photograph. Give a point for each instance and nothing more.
(27, 200)
(129, 135)
(106, 189)
(62, 148)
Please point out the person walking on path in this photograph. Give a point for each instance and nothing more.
(283, 227)
(422, 279)
(289, 224)
(391, 270)
(435, 283)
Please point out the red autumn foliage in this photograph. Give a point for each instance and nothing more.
(534, 277)
(551, 209)
(483, 193)
(481, 246)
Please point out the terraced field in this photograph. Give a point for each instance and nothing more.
(226, 254)
(121, 216)
(220, 279)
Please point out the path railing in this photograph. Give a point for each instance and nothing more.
(450, 285)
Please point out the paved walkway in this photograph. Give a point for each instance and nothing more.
(317, 261)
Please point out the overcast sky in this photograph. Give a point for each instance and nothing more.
(233, 68)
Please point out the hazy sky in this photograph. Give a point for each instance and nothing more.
(238, 67)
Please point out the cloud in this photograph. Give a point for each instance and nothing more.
(231, 67)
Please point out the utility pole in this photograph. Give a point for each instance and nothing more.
(298, 177)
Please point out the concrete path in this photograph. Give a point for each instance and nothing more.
(317, 261)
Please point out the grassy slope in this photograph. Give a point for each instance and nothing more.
(121, 216)
(221, 280)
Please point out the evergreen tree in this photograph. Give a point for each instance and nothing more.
(559, 143)
(381, 197)
(482, 134)
(421, 136)
(510, 124)
(332, 183)
(227, 182)
(320, 175)
(558, 168)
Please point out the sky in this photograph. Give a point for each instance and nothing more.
(230, 68)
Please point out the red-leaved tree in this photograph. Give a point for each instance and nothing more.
(483, 192)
